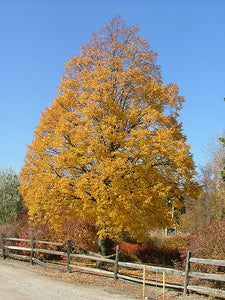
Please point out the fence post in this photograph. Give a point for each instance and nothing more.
(144, 272)
(116, 269)
(3, 246)
(164, 285)
(32, 250)
(69, 249)
(187, 270)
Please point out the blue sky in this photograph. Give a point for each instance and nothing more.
(37, 38)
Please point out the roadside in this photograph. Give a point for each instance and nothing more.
(19, 280)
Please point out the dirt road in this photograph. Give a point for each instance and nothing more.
(21, 281)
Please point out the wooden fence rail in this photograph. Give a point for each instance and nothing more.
(202, 275)
(34, 246)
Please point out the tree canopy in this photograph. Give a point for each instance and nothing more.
(222, 139)
(10, 198)
(110, 148)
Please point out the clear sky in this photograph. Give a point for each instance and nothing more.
(37, 38)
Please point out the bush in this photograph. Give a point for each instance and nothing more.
(209, 241)
(82, 233)
(13, 226)
(146, 253)
(179, 242)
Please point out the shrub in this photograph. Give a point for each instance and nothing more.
(148, 253)
(209, 241)
(82, 233)
(13, 226)
(180, 242)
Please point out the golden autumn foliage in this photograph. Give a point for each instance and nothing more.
(110, 148)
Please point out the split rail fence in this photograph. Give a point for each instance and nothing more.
(9, 249)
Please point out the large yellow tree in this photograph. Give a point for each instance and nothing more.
(110, 148)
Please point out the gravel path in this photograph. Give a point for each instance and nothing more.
(18, 281)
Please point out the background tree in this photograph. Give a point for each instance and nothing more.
(110, 148)
(211, 202)
(222, 139)
(10, 198)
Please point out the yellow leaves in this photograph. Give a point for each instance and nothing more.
(109, 149)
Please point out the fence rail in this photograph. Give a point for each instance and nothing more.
(20, 252)
(202, 275)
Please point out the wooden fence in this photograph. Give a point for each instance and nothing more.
(9, 249)
(66, 249)
(202, 275)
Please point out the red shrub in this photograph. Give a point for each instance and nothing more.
(148, 253)
(81, 233)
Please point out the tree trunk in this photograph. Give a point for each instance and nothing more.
(104, 247)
